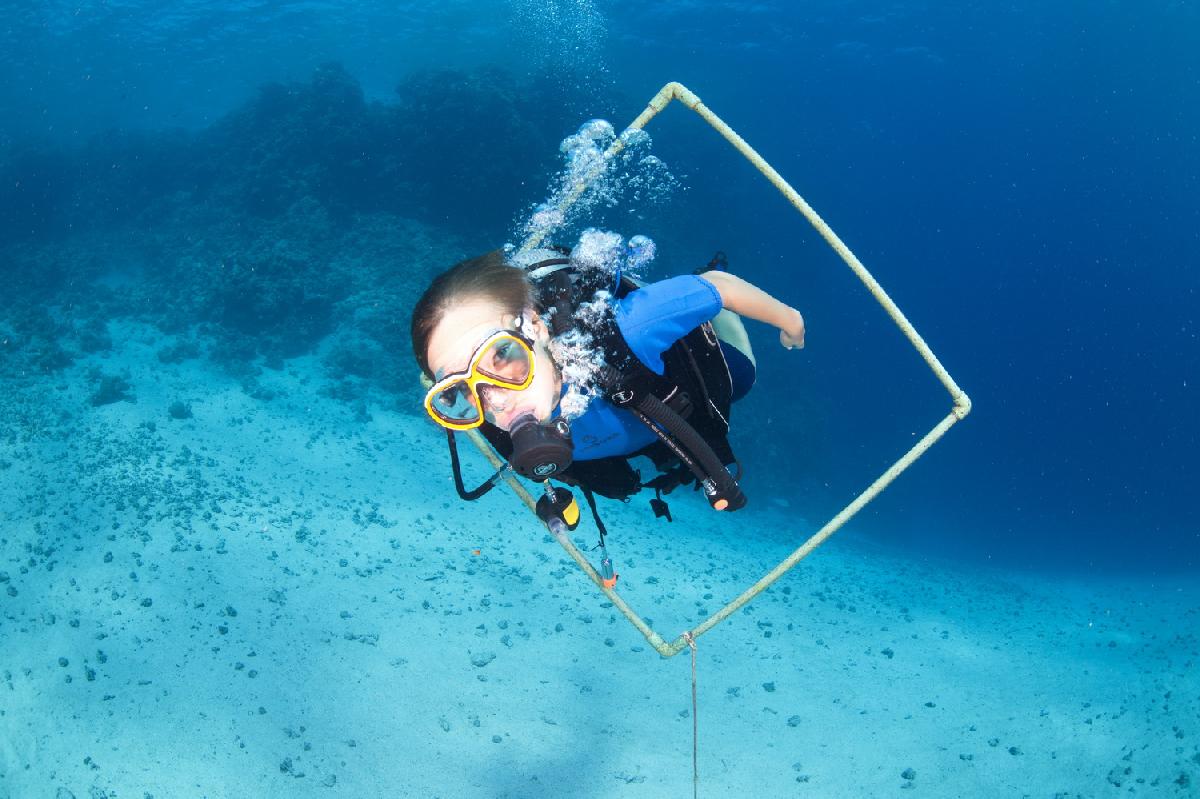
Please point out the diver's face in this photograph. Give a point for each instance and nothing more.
(464, 327)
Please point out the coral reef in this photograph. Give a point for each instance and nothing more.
(310, 214)
(111, 389)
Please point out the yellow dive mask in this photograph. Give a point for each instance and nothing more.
(504, 360)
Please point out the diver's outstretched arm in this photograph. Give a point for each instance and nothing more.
(746, 299)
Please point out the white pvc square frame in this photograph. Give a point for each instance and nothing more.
(960, 408)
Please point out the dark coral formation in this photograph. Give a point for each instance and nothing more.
(451, 144)
(309, 216)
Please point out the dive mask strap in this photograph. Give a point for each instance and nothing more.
(484, 487)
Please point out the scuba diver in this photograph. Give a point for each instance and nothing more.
(570, 371)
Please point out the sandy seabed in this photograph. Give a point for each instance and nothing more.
(280, 598)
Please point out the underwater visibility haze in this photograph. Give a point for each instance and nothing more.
(232, 558)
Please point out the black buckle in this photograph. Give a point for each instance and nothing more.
(623, 397)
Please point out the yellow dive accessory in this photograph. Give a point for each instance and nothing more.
(504, 360)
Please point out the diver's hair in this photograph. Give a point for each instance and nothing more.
(487, 277)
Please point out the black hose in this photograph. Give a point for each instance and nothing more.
(709, 467)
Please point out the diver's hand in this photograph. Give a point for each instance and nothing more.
(791, 335)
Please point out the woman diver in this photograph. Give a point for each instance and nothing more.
(570, 371)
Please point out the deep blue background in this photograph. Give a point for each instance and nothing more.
(1022, 177)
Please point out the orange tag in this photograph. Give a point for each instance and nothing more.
(474, 551)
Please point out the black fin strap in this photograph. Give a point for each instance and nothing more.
(719, 261)
(476, 493)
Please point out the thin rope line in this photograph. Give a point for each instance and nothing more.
(695, 721)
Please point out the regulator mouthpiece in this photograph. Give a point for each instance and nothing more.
(540, 450)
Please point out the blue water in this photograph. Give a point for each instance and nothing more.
(269, 183)
(1021, 177)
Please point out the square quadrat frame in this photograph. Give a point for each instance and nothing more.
(961, 402)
